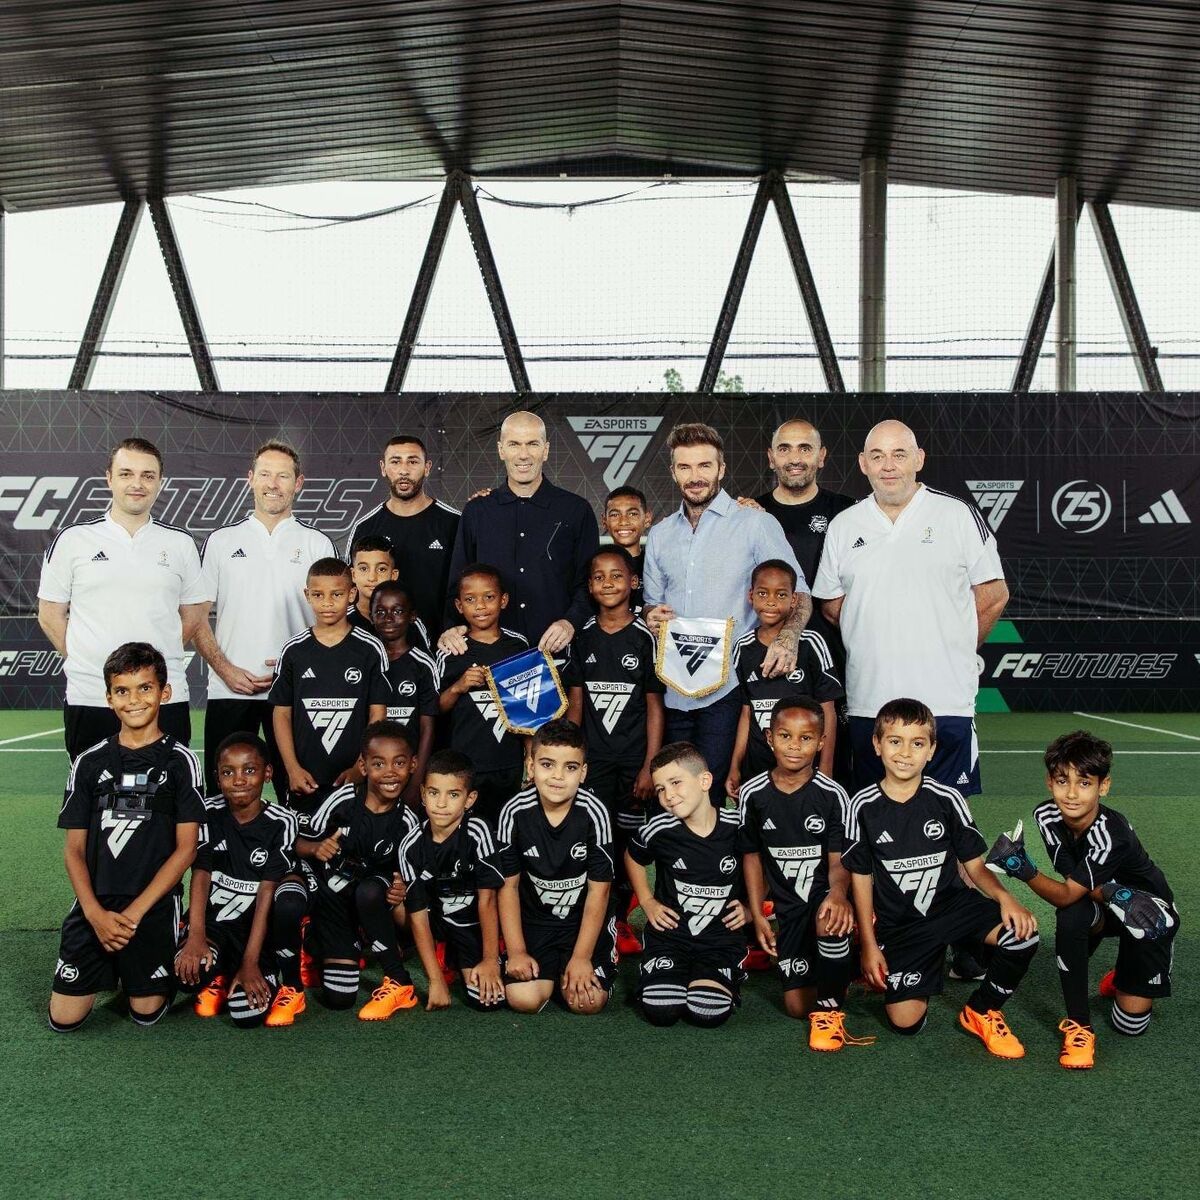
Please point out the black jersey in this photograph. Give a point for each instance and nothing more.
(418, 635)
(370, 843)
(413, 680)
(696, 876)
(555, 862)
(616, 672)
(1108, 850)
(330, 690)
(477, 728)
(794, 834)
(912, 849)
(804, 525)
(240, 857)
(421, 548)
(445, 877)
(130, 801)
(814, 676)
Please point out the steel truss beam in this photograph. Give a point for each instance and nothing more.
(737, 285)
(1126, 298)
(168, 244)
(106, 295)
(459, 190)
(872, 274)
(1066, 276)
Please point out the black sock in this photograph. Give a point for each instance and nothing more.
(1009, 964)
(834, 968)
(287, 912)
(1073, 945)
(375, 916)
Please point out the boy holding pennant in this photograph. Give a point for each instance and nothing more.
(697, 564)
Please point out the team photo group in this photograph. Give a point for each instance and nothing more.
(523, 742)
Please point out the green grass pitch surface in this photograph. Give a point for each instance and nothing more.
(460, 1104)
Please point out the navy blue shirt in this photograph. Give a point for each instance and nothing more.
(541, 544)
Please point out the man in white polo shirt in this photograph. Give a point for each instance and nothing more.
(122, 578)
(255, 572)
(913, 578)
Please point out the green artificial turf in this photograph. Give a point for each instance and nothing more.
(462, 1104)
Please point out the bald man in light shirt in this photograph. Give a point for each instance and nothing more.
(912, 578)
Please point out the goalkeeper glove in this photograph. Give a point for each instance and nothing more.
(1143, 915)
(1009, 856)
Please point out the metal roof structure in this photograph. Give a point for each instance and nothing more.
(100, 100)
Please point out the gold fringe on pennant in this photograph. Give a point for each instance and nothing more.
(726, 655)
(562, 697)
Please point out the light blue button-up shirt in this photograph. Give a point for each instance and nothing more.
(705, 572)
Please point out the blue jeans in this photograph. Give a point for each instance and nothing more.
(712, 731)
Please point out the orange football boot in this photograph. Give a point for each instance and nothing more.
(990, 1028)
(286, 1007)
(387, 1000)
(211, 999)
(1079, 1046)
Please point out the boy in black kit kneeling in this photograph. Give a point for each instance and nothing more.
(248, 847)
(451, 871)
(556, 854)
(695, 916)
(132, 813)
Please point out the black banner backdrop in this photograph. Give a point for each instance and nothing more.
(1093, 497)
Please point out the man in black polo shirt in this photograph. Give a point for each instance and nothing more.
(420, 528)
(539, 536)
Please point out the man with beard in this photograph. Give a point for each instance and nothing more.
(421, 529)
(255, 572)
(698, 563)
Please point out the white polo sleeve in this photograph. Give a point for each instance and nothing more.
(58, 569)
(194, 587)
(210, 564)
(980, 550)
(828, 583)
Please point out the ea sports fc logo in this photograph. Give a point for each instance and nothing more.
(617, 442)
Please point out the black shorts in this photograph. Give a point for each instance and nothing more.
(336, 930)
(146, 967)
(464, 945)
(228, 947)
(916, 953)
(674, 960)
(796, 942)
(612, 782)
(1143, 967)
(552, 948)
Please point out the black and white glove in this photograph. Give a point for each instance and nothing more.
(1009, 857)
(1143, 915)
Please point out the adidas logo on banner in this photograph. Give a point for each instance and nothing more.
(857, 543)
(309, 673)
(768, 824)
(679, 865)
(238, 553)
(964, 778)
(994, 497)
(885, 837)
(436, 545)
(99, 556)
(1166, 510)
(619, 442)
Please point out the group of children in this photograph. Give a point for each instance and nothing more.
(511, 864)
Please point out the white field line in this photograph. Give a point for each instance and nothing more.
(1191, 737)
(26, 736)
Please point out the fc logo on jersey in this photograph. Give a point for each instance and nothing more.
(934, 830)
(917, 877)
(619, 442)
(330, 718)
(258, 857)
(799, 864)
(814, 823)
(119, 830)
(609, 701)
(353, 675)
(489, 712)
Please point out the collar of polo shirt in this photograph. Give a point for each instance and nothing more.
(505, 495)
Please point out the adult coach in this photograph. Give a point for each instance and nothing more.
(912, 577)
(539, 536)
(122, 578)
(254, 572)
(421, 529)
(698, 563)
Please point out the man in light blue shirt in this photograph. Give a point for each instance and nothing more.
(698, 563)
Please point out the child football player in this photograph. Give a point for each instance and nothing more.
(248, 847)
(627, 519)
(353, 843)
(695, 918)
(412, 675)
(451, 871)
(556, 855)
(477, 727)
(1110, 888)
(132, 813)
(793, 817)
(621, 700)
(372, 562)
(773, 595)
(906, 837)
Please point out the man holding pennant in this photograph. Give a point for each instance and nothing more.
(696, 578)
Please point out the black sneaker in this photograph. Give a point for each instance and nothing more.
(964, 966)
